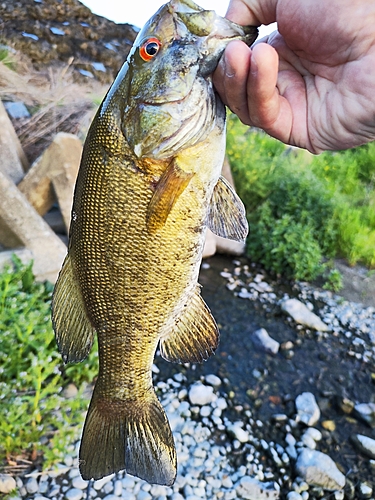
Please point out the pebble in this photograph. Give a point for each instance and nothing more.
(79, 483)
(308, 410)
(293, 495)
(31, 485)
(365, 490)
(364, 444)
(302, 315)
(201, 395)
(366, 412)
(213, 380)
(74, 494)
(238, 433)
(250, 488)
(268, 344)
(318, 469)
(17, 110)
(7, 483)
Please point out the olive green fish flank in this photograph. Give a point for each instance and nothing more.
(148, 187)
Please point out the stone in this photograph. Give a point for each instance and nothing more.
(7, 483)
(31, 485)
(16, 109)
(98, 485)
(74, 494)
(53, 175)
(13, 161)
(70, 391)
(365, 490)
(293, 495)
(21, 226)
(261, 338)
(318, 469)
(364, 444)
(238, 433)
(79, 483)
(201, 395)
(308, 410)
(302, 315)
(366, 412)
(213, 380)
(250, 488)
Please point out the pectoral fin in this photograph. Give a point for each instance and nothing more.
(73, 330)
(170, 186)
(194, 335)
(227, 215)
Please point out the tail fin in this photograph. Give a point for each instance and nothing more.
(130, 435)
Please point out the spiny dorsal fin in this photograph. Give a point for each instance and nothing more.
(227, 214)
(194, 335)
(170, 186)
(129, 435)
(73, 330)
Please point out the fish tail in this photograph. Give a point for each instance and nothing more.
(128, 435)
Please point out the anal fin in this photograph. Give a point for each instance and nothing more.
(194, 335)
(170, 186)
(227, 214)
(73, 330)
(128, 435)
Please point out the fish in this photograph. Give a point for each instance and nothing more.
(148, 187)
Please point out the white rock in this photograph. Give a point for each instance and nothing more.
(366, 411)
(74, 494)
(201, 395)
(365, 444)
(118, 488)
(314, 433)
(31, 485)
(250, 488)
(262, 339)
(238, 433)
(302, 315)
(319, 469)
(7, 483)
(98, 485)
(79, 483)
(213, 380)
(307, 408)
(293, 495)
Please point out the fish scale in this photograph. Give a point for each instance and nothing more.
(148, 187)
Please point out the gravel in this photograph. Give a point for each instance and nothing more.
(228, 449)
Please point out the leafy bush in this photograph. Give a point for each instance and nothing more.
(302, 208)
(32, 376)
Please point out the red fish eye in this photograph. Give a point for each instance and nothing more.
(149, 49)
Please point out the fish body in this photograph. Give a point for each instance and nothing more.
(148, 186)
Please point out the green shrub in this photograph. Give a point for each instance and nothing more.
(327, 202)
(32, 376)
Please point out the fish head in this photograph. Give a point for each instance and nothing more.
(170, 103)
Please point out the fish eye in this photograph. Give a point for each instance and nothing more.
(149, 49)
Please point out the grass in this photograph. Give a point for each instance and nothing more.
(36, 420)
(304, 209)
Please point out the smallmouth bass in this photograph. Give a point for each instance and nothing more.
(149, 184)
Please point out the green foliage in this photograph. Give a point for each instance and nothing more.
(6, 58)
(334, 281)
(32, 376)
(301, 207)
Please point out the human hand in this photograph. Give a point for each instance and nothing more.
(312, 83)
